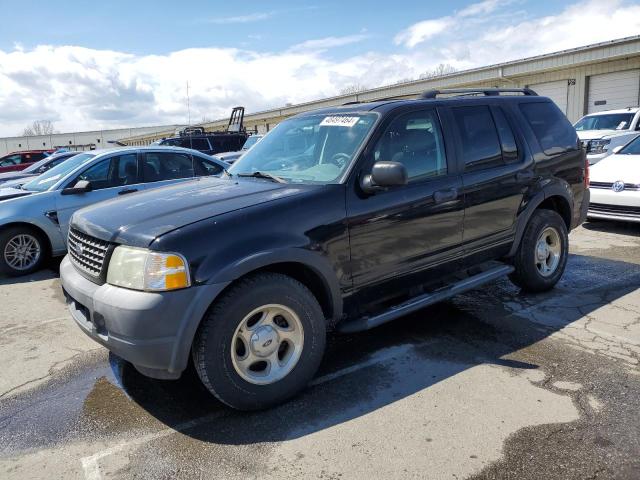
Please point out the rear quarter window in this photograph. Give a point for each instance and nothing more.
(552, 129)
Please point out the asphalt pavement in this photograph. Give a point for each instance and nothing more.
(491, 384)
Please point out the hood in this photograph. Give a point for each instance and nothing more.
(617, 167)
(8, 193)
(139, 218)
(16, 182)
(597, 134)
(13, 175)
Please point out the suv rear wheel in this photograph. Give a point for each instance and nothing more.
(261, 343)
(22, 251)
(542, 255)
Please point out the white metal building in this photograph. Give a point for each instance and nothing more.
(77, 141)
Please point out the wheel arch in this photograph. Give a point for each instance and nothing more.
(556, 197)
(33, 227)
(312, 275)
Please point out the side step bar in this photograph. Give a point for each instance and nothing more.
(469, 283)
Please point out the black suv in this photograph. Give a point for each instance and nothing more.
(343, 218)
(209, 143)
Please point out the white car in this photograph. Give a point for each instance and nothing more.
(615, 185)
(600, 133)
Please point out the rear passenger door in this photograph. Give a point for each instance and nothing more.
(497, 170)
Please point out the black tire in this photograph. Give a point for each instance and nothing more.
(6, 236)
(527, 274)
(212, 346)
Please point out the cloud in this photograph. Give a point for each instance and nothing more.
(252, 17)
(84, 89)
(421, 31)
(427, 29)
(329, 42)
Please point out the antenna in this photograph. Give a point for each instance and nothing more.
(188, 106)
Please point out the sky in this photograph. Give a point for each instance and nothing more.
(94, 65)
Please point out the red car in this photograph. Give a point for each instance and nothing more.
(16, 161)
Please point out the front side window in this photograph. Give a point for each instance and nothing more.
(115, 172)
(609, 121)
(415, 140)
(479, 137)
(311, 149)
(57, 173)
(552, 129)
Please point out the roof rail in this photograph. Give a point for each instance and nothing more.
(431, 94)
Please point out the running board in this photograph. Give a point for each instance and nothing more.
(416, 303)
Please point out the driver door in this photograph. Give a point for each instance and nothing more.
(110, 178)
(405, 235)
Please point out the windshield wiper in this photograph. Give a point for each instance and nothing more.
(266, 175)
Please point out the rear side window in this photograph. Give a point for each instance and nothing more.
(159, 166)
(479, 137)
(200, 144)
(507, 139)
(552, 129)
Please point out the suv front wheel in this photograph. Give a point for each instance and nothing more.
(261, 343)
(542, 255)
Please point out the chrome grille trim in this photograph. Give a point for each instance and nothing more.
(87, 253)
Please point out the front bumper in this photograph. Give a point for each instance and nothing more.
(609, 205)
(153, 331)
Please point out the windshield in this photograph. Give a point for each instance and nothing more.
(49, 178)
(250, 142)
(310, 149)
(612, 121)
(631, 148)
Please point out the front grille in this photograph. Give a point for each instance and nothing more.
(88, 253)
(623, 210)
(609, 185)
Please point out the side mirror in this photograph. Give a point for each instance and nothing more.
(383, 175)
(617, 149)
(81, 186)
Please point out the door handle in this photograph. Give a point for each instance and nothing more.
(442, 196)
(524, 176)
(127, 190)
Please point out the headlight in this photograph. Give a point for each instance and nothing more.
(598, 146)
(141, 269)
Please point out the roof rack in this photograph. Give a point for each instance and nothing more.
(431, 94)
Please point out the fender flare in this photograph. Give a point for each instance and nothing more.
(220, 280)
(552, 190)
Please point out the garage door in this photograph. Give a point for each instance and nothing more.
(556, 91)
(614, 90)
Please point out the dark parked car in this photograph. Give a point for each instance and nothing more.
(209, 143)
(38, 168)
(16, 161)
(343, 218)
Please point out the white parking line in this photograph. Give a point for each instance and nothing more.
(91, 466)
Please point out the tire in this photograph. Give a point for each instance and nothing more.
(16, 240)
(532, 274)
(233, 350)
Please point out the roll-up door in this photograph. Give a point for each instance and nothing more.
(556, 91)
(608, 91)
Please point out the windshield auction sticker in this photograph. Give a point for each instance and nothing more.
(339, 121)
